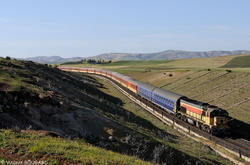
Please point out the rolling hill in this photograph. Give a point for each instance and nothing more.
(238, 62)
(164, 55)
(167, 55)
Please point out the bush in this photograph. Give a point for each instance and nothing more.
(7, 58)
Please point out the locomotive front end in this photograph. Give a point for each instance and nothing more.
(219, 119)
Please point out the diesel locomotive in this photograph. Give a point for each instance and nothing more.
(209, 118)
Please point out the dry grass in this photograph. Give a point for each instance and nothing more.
(212, 62)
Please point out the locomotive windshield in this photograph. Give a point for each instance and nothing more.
(219, 112)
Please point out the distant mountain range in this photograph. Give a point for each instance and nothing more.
(52, 59)
(165, 55)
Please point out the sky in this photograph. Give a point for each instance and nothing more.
(84, 28)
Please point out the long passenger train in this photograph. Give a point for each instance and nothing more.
(207, 117)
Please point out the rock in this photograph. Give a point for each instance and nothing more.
(26, 103)
(35, 113)
(111, 138)
(64, 106)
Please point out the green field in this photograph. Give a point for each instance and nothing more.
(238, 62)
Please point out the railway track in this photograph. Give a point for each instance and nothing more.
(241, 143)
(240, 148)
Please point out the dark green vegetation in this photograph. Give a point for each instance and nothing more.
(238, 62)
(91, 124)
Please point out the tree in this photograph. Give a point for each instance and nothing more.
(7, 58)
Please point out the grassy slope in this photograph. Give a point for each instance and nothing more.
(16, 77)
(55, 150)
(238, 62)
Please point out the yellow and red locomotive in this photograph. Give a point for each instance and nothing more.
(207, 117)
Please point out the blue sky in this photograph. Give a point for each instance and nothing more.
(70, 28)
